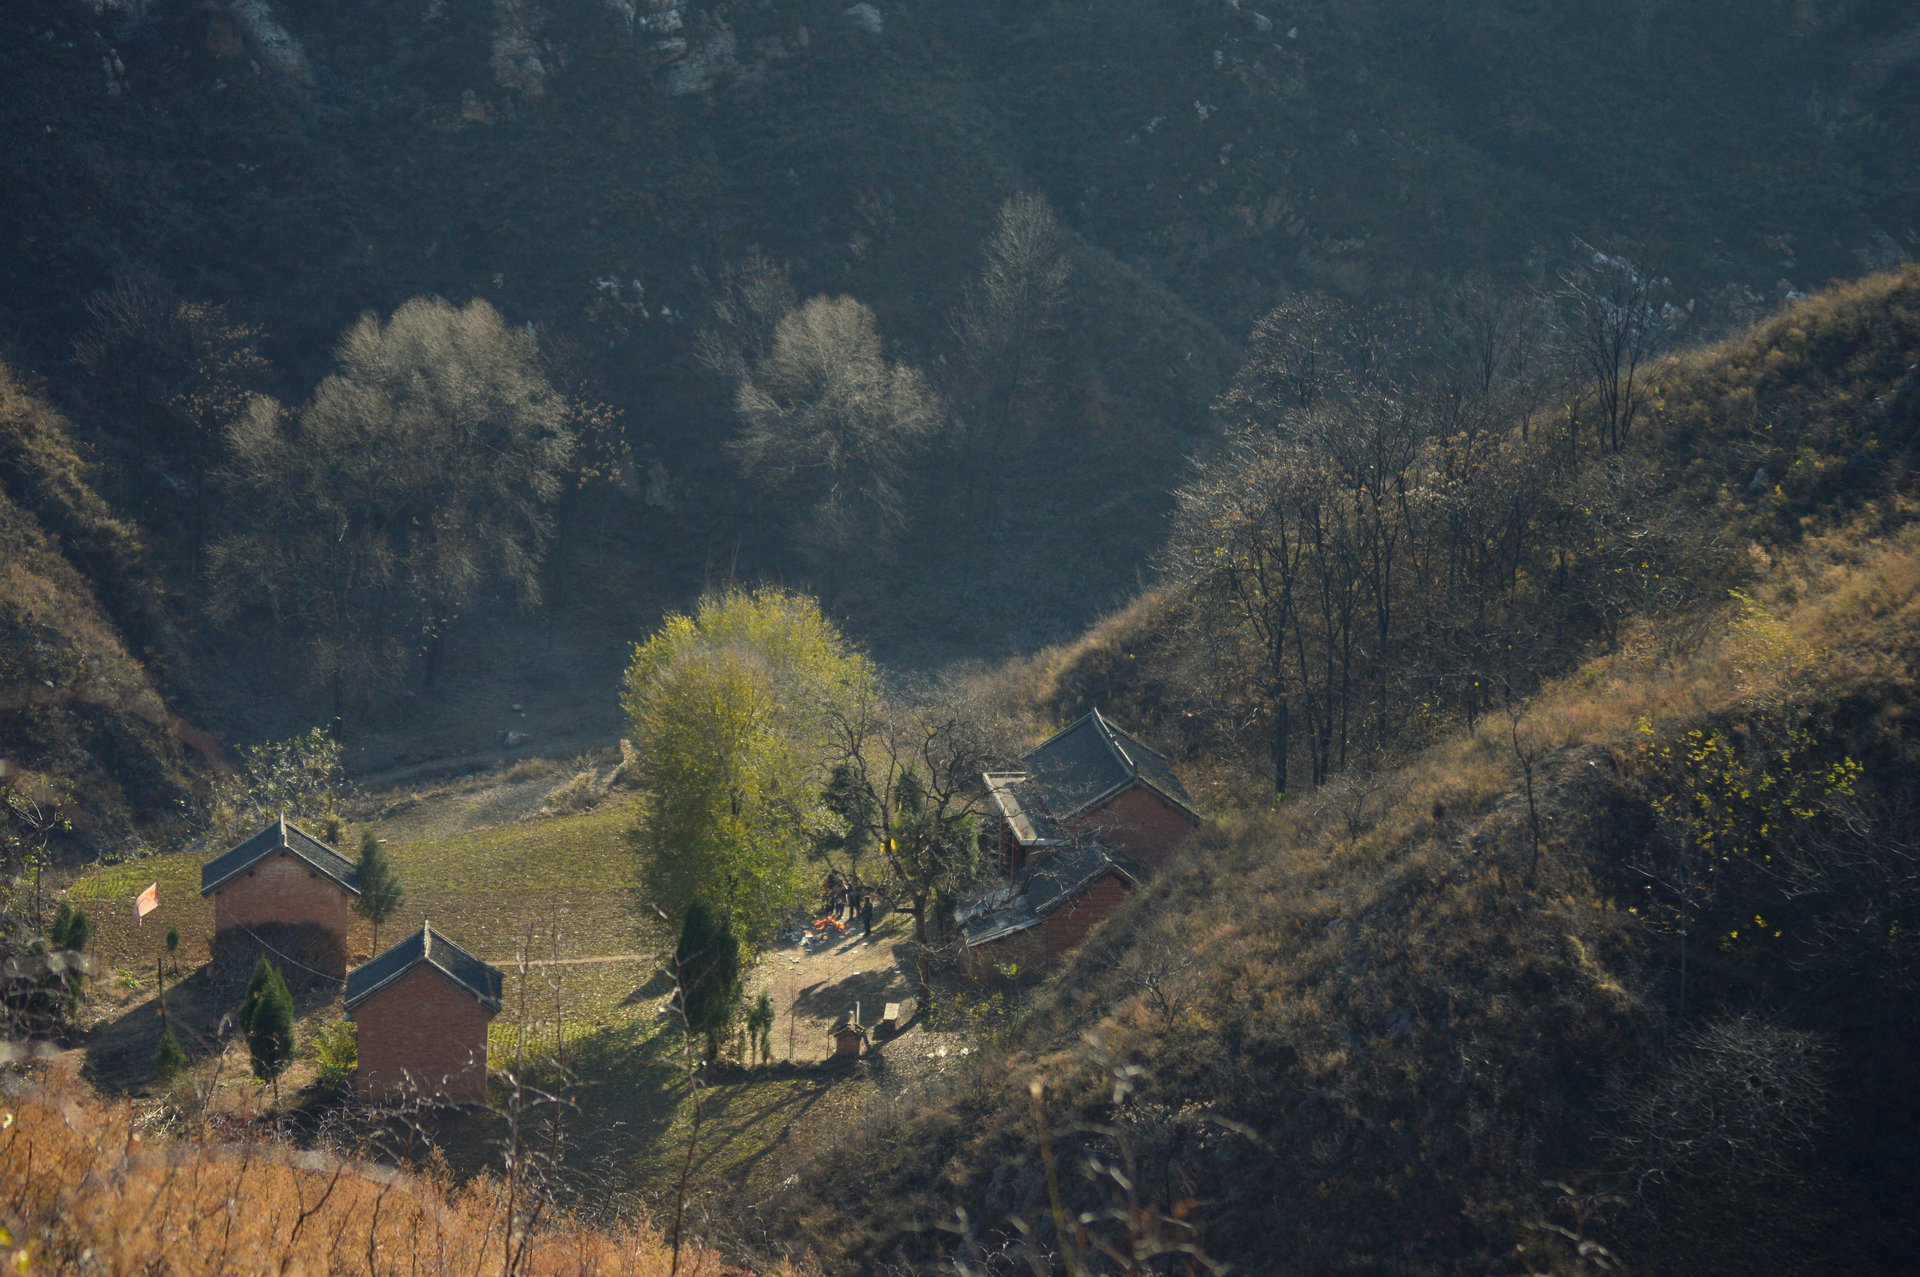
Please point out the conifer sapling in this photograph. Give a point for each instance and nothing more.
(381, 894)
(270, 1029)
(168, 1058)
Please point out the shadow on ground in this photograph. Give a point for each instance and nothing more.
(828, 1000)
(201, 1007)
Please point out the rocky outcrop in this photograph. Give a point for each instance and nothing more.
(516, 63)
(274, 47)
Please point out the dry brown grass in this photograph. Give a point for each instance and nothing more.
(87, 1191)
(1410, 1024)
(1107, 665)
(76, 706)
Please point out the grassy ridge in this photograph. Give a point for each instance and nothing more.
(79, 710)
(1370, 1038)
(1446, 1021)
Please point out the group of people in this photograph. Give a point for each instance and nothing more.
(849, 901)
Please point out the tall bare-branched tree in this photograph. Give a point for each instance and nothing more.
(1615, 318)
(1006, 316)
(911, 773)
(826, 415)
(421, 471)
(754, 295)
(1370, 542)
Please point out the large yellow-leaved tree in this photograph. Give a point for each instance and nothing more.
(733, 712)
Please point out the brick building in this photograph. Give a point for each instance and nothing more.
(422, 1008)
(1091, 813)
(285, 891)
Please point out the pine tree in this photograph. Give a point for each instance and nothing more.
(70, 931)
(168, 1059)
(71, 928)
(707, 965)
(270, 1029)
(381, 894)
(760, 1029)
(263, 974)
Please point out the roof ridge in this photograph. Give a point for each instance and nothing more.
(1062, 732)
(1111, 732)
(276, 836)
(469, 971)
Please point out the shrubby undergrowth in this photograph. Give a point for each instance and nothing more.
(1612, 975)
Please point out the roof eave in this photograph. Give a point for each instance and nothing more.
(1170, 799)
(207, 888)
(491, 1003)
(1002, 933)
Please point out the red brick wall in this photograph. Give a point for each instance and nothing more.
(1054, 934)
(282, 888)
(1067, 926)
(1013, 853)
(1140, 823)
(1020, 947)
(422, 1035)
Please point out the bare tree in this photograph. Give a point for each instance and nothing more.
(1240, 542)
(754, 295)
(1615, 317)
(1309, 348)
(1007, 312)
(912, 774)
(1738, 1096)
(826, 414)
(423, 469)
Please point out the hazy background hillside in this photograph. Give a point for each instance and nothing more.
(594, 167)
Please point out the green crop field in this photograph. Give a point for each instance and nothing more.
(563, 887)
(554, 902)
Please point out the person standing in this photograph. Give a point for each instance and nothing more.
(866, 916)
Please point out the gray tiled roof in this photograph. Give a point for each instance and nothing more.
(279, 836)
(481, 979)
(1077, 769)
(1152, 767)
(1053, 877)
(1024, 806)
(1092, 760)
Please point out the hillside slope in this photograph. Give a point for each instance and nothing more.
(1623, 977)
(83, 725)
(592, 166)
(102, 1187)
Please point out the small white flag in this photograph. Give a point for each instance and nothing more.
(146, 902)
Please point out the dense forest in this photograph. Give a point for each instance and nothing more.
(1474, 442)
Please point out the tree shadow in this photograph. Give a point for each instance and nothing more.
(789, 1107)
(624, 1093)
(201, 1007)
(658, 986)
(872, 989)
